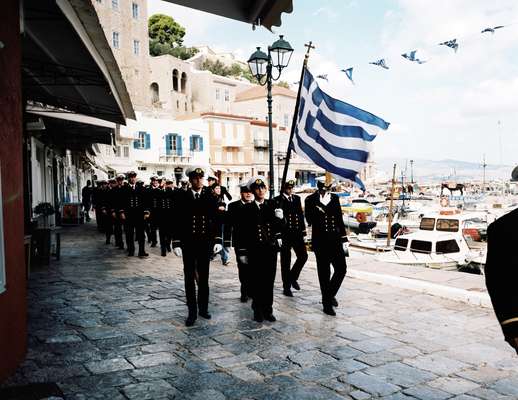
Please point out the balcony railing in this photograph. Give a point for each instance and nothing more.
(232, 143)
(261, 143)
(175, 156)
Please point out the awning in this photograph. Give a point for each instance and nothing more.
(73, 134)
(68, 63)
(258, 12)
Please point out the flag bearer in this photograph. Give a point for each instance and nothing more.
(261, 226)
(293, 236)
(324, 214)
(133, 214)
(234, 236)
(196, 236)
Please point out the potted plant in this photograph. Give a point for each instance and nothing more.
(41, 235)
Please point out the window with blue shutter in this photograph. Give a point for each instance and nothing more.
(136, 144)
(168, 144)
(201, 143)
(178, 145)
(147, 141)
(191, 139)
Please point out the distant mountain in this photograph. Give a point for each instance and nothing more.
(440, 170)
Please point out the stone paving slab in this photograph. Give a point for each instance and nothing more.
(98, 319)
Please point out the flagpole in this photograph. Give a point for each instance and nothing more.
(295, 114)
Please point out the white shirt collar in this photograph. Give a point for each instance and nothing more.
(194, 192)
(325, 199)
(288, 196)
(258, 203)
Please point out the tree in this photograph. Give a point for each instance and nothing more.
(283, 84)
(166, 37)
(218, 68)
(165, 30)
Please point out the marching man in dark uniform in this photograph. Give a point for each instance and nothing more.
(324, 214)
(154, 199)
(261, 226)
(133, 215)
(166, 218)
(116, 203)
(233, 237)
(196, 236)
(292, 237)
(501, 273)
(105, 206)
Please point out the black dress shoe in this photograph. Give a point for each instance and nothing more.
(190, 320)
(270, 318)
(334, 303)
(131, 253)
(329, 311)
(163, 252)
(287, 292)
(205, 314)
(258, 317)
(295, 285)
(244, 298)
(142, 255)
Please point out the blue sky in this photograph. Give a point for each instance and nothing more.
(446, 108)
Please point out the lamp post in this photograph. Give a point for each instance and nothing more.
(261, 66)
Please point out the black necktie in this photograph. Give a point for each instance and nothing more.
(197, 196)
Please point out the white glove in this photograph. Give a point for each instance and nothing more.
(279, 242)
(243, 259)
(279, 213)
(346, 249)
(217, 248)
(177, 251)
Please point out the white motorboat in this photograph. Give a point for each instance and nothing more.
(439, 243)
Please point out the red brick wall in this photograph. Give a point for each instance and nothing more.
(13, 319)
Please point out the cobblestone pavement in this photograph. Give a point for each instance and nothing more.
(105, 326)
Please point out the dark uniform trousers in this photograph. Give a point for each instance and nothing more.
(117, 230)
(328, 236)
(501, 273)
(196, 260)
(134, 230)
(232, 236)
(153, 201)
(262, 260)
(261, 229)
(196, 232)
(133, 207)
(165, 219)
(295, 242)
(292, 238)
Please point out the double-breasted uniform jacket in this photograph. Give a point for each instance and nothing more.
(133, 201)
(234, 222)
(294, 226)
(259, 227)
(197, 219)
(327, 225)
(153, 200)
(501, 271)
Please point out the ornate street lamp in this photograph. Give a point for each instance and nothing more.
(261, 66)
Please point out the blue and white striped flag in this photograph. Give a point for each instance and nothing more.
(335, 135)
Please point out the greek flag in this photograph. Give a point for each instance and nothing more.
(335, 135)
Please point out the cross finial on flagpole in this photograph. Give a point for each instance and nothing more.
(309, 46)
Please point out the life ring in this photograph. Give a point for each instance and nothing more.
(444, 202)
(361, 217)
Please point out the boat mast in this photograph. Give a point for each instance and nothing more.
(389, 228)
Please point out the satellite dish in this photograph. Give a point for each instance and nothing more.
(514, 175)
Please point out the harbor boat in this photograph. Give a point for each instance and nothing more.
(440, 243)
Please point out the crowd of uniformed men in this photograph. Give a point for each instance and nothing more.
(194, 222)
